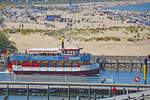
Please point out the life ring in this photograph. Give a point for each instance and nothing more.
(10, 67)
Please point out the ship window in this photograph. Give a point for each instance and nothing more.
(58, 64)
(67, 64)
(69, 52)
(74, 64)
(18, 63)
(82, 62)
(77, 52)
(43, 64)
(72, 52)
(65, 52)
(50, 64)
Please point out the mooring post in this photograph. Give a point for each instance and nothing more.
(104, 64)
(110, 92)
(48, 92)
(101, 65)
(137, 88)
(78, 97)
(7, 90)
(94, 96)
(127, 93)
(145, 70)
(131, 64)
(117, 64)
(69, 92)
(141, 65)
(28, 92)
(124, 91)
(89, 92)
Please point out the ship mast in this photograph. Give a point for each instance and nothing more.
(62, 43)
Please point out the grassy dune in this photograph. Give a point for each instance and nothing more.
(130, 34)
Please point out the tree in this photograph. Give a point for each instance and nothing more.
(5, 43)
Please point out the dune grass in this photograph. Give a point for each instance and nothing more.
(103, 39)
(130, 40)
(85, 34)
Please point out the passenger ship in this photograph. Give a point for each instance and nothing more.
(53, 61)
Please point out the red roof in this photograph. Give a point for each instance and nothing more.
(71, 49)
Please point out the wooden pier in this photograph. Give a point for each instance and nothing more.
(122, 62)
(28, 87)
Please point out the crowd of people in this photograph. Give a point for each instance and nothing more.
(80, 16)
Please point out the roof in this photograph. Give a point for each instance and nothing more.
(43, 50)
(52, 49)
(71, 49)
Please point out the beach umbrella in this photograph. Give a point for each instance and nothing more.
(147, 23)
(8, 9)
(20, 6)
(134, 21)
(35, 11)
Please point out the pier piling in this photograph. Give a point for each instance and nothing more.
(28, 92)
(7, 94)
(117, 65)
(131, 64)
(145, 69)
(137, 89)
(78, 97)
(127, 93)
(69, 92)
(89, 93)
(141, 66)
(94, 96)
(48, 92)
(110, 92)
(124, 91)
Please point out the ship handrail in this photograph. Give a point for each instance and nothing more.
(56, 57)
(82, 68)
(24, 54)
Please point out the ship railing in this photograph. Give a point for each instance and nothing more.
(90, 67)
(44, 54)
(28, 54)
(82, 68)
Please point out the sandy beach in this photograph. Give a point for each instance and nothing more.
(95, 48)
(128, 39)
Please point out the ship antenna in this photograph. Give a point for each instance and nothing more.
(62, 42)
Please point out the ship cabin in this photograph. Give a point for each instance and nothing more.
(52, 57)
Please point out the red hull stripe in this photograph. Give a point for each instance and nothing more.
(90, 72)
(43, 51)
